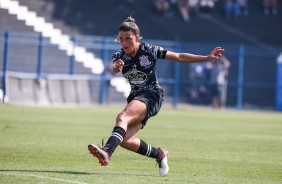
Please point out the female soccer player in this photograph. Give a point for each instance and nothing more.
(137, 62)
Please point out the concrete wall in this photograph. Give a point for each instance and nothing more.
(52, 90)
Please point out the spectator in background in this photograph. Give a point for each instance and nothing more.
(199, 88)
(162, 6)
(243, 4)
(270, 7)
(218, 80)
(188, 7)
(206, 6)
(184, 9)
(232, 8)
(194, 6)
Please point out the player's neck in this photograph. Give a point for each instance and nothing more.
(135, 50)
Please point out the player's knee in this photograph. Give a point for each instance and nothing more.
(126, 143)
(122, 119)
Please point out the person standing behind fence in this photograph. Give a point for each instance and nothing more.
(162, 6)
(184, 9)
(218, 81)
(270, 7)
(243, 6)
(206, 6)
(137, 62)
(232, 8)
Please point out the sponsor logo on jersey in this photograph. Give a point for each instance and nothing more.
(136, 77)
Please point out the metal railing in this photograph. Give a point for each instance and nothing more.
(246, 63)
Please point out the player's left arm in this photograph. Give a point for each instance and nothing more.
(192, 58)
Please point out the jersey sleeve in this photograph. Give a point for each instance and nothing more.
(161, 53)
(117, 56)
(156, 51)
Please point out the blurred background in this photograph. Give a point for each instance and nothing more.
(59, 52)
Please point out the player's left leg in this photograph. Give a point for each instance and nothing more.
(132, 143)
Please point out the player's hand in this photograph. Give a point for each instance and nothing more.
(215, 54)
(118, 65)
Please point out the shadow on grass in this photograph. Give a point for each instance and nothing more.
(72, 172)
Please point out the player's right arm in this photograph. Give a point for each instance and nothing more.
(118, 66)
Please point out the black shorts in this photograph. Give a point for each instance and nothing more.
(153, 100)
(214, 90)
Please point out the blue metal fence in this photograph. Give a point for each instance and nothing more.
(240, 83)
(172, 75)
(5, 61)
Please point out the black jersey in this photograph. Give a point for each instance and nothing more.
(140, 70)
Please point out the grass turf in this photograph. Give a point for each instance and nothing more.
(49, 145)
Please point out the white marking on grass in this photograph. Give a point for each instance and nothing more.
(40, 177)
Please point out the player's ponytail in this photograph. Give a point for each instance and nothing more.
(130, 25)
(130, 19)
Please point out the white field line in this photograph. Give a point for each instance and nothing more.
(40, 177)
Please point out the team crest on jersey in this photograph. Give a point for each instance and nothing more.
(144, 61)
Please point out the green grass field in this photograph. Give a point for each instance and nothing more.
(49, 145)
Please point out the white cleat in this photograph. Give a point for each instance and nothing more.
(162, 162)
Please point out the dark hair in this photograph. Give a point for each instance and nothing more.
(130, 25)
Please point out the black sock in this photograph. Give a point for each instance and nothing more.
(147, 150)
(115, 139)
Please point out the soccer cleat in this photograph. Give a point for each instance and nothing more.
(162, 162)
(100, 153)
